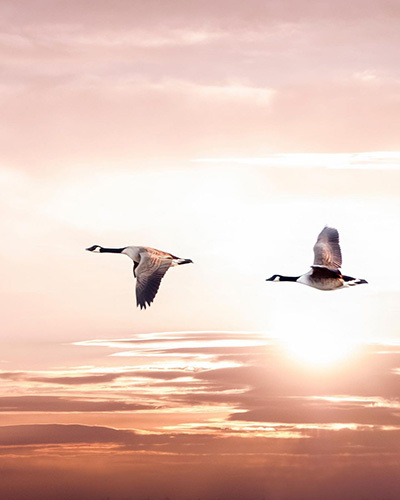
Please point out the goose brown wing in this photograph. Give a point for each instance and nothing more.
(327, 249)
(149, 274)
(159, 253)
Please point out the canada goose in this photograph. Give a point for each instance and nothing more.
(149, 267)
(325, 273)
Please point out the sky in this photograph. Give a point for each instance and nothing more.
(229, 133)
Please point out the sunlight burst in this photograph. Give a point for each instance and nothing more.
(319, 350)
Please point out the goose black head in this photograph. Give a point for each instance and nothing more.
(275, 277)
(94, 248)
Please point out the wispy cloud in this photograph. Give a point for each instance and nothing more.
(60, 404)
(248, 376)
(372, 160)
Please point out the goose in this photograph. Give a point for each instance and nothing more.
(325, 273)
(149, 267)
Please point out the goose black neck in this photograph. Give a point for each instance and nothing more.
(289, 278)
(111, 250)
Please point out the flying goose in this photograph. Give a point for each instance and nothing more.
(325, 272)
(149, 267)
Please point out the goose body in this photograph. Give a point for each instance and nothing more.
(149, 267)
(325, 273)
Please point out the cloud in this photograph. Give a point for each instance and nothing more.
(371, 160)
(60, 404)
(101, 378)
(12, 375)
(175, 12)
(88, 379)
(257, 381)
(232, 79)
(219, 119)
(307, 461)
(321, 411)
(22, 435)
(73, 116)
(263, 408)
(295, 440)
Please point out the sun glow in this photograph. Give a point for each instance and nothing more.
(319, 350)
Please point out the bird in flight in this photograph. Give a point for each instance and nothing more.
(325, 273)
(149, 267)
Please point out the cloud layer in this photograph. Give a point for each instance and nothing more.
(228, 397)
(133, 80)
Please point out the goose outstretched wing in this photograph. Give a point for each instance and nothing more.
(327, 249)
(149, 273)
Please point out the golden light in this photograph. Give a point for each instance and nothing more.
(319, 350)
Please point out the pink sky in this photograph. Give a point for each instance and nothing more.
(84, 86)
(229, 133)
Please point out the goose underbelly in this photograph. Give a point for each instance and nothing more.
(321, 284)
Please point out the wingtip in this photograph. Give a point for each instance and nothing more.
(143, 305)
